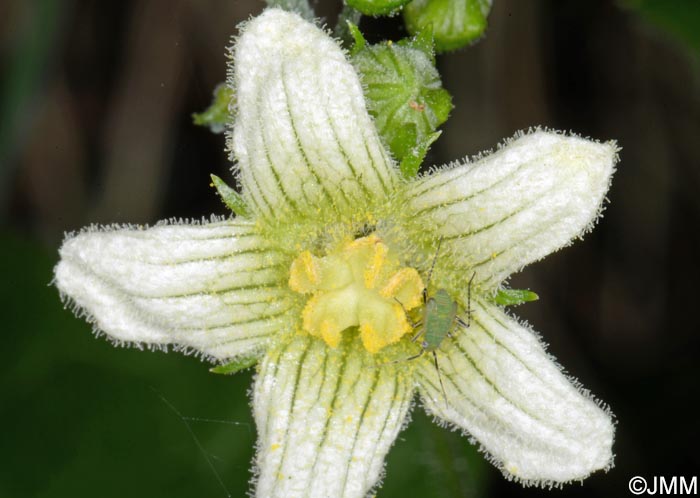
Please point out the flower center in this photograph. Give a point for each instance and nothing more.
(361, 284)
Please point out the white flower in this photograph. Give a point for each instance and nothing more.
(316, 280)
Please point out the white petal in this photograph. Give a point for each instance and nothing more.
(304, 142)
(217, 288)
(515, 206)
(506, 392)
(326, 419)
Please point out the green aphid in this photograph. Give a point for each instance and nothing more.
(440, 315)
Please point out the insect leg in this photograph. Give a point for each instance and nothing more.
(415, 356)
(442, 386)
(460, 321)
(415, 337)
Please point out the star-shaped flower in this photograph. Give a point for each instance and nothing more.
(323, 280)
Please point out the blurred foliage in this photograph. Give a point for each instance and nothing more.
(21, 81)
(89, 419)
(680, 18)
(431, 461)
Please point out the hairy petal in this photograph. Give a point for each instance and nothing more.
(217, 288)
(515, 206)
(326, 418)
(305, 144)
(503, 388)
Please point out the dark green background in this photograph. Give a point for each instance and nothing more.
(95, 103)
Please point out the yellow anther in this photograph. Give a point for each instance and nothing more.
(370, 339)
(405, 286)
(304, 273)
(330, 333)
(359, 246)
(382, 323)
(374, 267)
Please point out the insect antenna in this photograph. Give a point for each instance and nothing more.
(413, 323)
(430, 272)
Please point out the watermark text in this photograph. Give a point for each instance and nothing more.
(664, 485)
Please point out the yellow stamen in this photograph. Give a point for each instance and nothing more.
(304, 273)
(357, 285)
(405, 286)
(375, 265)
(330, 334)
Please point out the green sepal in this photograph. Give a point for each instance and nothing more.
(231, 198)
(423, 41)
(347, 19)
(377, 7)
(358, 37)
(411, 162)
(456, 23)
(512, 297)
(217, 115)
(236, 365)
(404, 94)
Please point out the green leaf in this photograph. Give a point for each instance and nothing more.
(428, 460)
(301, 7)
(231, 198)
(455, 23)
(511, 297)
(235, 366)
(404, 95)
(377, 7)
(217, 115)
(680, 18)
